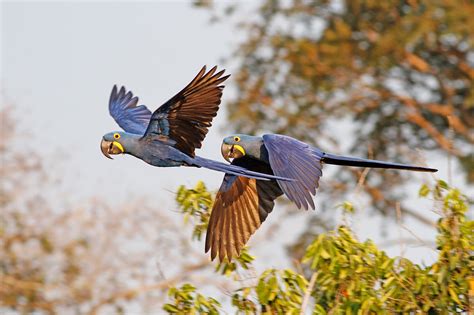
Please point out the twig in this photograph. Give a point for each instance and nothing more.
(408, 242)
(417, 237)
(399, 221)
(450, 158)
(151, 287)
(361, 181)
(309, 289)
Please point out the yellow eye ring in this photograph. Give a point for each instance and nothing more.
(116, 136)
(236, 139)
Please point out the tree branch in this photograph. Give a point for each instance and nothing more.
(151, 287)
(307, 294)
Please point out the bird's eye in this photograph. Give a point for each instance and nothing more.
(116, 136)
(236, 139)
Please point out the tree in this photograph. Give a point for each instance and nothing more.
(343, 275)
(400, 74)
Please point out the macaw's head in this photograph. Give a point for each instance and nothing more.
(237, 146)
(113, 143)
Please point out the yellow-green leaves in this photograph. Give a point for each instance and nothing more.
(195, 203)
(424, 190)
(281, 291)
(244, 261)
(343, 275)
(185, 300)
(347, 207)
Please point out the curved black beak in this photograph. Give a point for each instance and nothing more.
(106, 147)
(110, 147)
(231, 151)
(226, 151)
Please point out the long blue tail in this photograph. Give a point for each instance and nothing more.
(351, 161)
(233, 169)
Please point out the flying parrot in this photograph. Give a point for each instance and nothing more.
(169, 136)
(242, 204)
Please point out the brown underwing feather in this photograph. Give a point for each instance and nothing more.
(235, 237)
(240, 207)
(186, 117)
(243, 229)
(222, 238)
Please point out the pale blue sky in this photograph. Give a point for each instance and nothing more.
(60, 61)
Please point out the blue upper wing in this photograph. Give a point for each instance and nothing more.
(123, 108)
(292, 158)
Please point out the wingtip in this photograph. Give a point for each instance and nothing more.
(218, 74)
(114, 90)
(428, 169)
(221, 256)
(206, 247)
(113, 94)
(120, 94)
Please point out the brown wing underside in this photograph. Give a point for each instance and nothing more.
(241, 206)
(186, 117)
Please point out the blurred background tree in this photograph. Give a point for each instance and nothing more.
(87, 257)
(372, 78)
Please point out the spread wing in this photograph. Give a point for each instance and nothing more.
(123, 108)
(240, 207)
(186, 117)
(295, 159)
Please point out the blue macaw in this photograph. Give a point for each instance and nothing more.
(242, 204)
(169, 136)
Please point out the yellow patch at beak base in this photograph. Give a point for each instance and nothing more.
(118, 145)
(238, 147)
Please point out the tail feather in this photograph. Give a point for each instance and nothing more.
(350, 161)
(234, 170)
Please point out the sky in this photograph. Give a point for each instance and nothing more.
(59, 61)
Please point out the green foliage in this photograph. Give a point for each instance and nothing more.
(197, 203)
(281, 291)
(277, 292)
(347, 207)
(244, 261)
(187, 301)
(353, 277)
(242, 300)
(346, 268)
